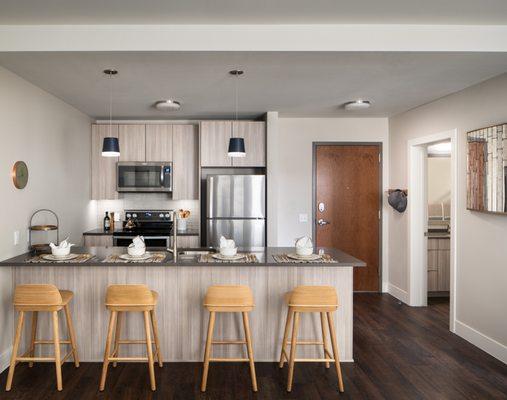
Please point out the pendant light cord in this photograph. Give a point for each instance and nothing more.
(111, 105)
(237, 77)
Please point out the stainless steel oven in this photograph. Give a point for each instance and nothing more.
(144, 176)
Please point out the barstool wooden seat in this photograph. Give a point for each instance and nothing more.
(321, 299)
(227, 298)
(131, 298)
(35, 299)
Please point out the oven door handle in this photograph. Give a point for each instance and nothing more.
(146, 237)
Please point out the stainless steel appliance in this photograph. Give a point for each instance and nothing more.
(155, 225)
(236, 209)
(144, 176)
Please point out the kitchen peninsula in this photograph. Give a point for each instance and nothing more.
(181, 286)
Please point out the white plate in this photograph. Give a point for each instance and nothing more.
(51, 257)
(128, 257)
(236, 257)
(311, 257)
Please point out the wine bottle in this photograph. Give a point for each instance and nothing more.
(107, 222)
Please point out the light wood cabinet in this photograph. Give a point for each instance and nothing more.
(186, 242)
(159, 143)
(98, 240)
(185, 162)
(439, 258)
(215, 137)
(132, 142)
(103, 176)
(254, 134)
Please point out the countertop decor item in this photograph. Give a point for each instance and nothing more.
(246, 258)
(153, 257)
(236, 144)
(111, 145)
(290, 258)
(183, 216)
(72, 258)
(20, 174)
(44, 227)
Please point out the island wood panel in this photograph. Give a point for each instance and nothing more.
(215, 137)
(132, 142)
(182, 319)
(185, 162)
(98, 240)
(254, 134)
(159, 143)
(103, 168)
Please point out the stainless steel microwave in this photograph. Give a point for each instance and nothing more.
(144, 176)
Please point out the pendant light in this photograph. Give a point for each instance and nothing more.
(110, 145)
(236, 144)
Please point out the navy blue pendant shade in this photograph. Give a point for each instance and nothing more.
(110, 147)
(236, 147)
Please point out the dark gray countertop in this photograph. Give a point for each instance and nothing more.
(101, 232)
(264, 255)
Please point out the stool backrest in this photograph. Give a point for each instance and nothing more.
(37, 295)
(129, 295)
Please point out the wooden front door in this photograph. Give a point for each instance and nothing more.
(348, 205)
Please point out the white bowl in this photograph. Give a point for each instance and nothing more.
(65, 251)
(136, 251)
(228, 251)
(304, 251)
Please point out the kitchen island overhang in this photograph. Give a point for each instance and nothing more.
(181, 286)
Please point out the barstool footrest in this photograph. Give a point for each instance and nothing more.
(229, 359)
(306, 342)
(127, 341)
(51, 342)
(128, 359)
(228, 342)
(314, 360)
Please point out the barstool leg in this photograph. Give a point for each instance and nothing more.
(293, 345)
(149, 349)
(117, 335)
(154, 323)
(207, 350)
(248, 337)
(35, 315)
(72, 335)
(335, 351)
(283, 352)
(112, 320)
(58, 360)
(15, 347)
(324, 336)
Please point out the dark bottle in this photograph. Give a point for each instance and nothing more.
(107, 222)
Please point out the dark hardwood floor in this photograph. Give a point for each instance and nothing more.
(400, 353)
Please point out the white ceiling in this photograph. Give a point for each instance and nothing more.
(295, 84)
(253, 12)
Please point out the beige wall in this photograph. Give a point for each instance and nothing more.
(481, 295)
(53, 138)
(439, 185)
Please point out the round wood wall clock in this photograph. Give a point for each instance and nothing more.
(20, 174)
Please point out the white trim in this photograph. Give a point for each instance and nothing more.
(483, 342)
(254, 37)
(400, 294)
(5, 359)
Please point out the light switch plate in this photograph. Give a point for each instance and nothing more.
(16, 238)
(303, 217)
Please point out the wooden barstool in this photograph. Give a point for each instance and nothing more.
(228, 298)
(131, 298)
(321, 299)
(35, 299)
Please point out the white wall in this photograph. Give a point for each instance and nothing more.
(439, 185)
(480, 240)
(53, 138)
(290, 155)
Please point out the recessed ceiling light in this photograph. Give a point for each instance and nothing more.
(167, 105)
(357, 105)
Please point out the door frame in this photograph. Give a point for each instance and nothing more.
(418, 221)
(380, 200)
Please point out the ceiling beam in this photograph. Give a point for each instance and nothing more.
(420, 38)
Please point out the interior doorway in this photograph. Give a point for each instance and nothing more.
(419, 216)
(347, 209)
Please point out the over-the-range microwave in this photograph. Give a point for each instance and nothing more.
(144, 176)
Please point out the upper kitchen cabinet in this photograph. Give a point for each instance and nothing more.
(254, 134)
(132, 142)
(215, 137)
(159, 143)
(103, 168)
(185, 162)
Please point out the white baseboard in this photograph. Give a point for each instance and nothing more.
(5, 358)
(483, 342)
(400, 294)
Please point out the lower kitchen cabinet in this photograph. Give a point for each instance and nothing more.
(439, 261)
(98, 240)
(188, 241)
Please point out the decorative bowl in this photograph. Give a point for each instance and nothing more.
(60, 252)
(304, 251)
(228, 251)
(136, 251)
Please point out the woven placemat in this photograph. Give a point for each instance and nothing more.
(155, 257)
(81, 258)
(284, 258)
(208, 258)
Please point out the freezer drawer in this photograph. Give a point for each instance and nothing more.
(236, 196)
(245, 232)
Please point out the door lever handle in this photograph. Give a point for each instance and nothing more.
(321, 222)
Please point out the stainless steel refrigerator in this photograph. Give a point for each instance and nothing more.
(236, 209)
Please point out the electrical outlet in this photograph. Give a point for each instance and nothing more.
(303, 217)
(16, 238)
